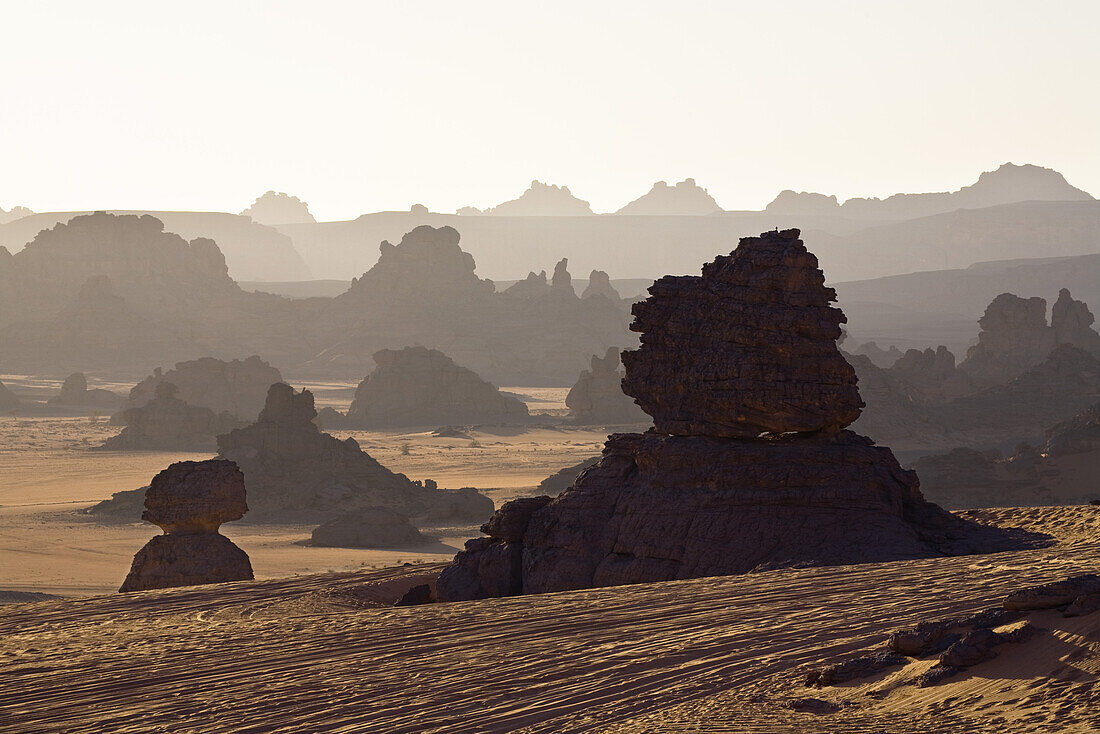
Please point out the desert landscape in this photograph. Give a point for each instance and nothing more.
(587, 368)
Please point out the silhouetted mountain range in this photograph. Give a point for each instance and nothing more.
(685, 197)
(279, 208)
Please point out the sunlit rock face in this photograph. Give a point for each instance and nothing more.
(189, 501)
(748, 466)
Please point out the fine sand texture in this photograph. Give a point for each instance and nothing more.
(322, 654)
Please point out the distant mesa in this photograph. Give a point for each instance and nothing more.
(685, 198)
(167, 423)
(16, 212)
(189, 501)
(1008, 184)
(748, 466)
(540, 200)
(597, 397)
(76, 395)
(416, 386)
(278, 208)
(238, 387)
(372, 527)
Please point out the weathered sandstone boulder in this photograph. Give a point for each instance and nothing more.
(238, 387)
(700, 494)
(598, 397)
(294, 472)
(766, 360)
(415, 386)
(167, 423)
(373, 527)
(190, 500)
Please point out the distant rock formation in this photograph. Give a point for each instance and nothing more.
(931, 375)
(75, 394)
(598, 397)
(542, 200)
(599, 284)
(294, 472)
(189, 501)
(9, 402)
(279, 208)
(1008, 184)
(167, 423)
(1062, 470)
(536, 285)
(685, 198)
(238, 387)
(372, 527)
(704, 493)
(883, 358)
(16, 212)
(415, 386)
(563, 479)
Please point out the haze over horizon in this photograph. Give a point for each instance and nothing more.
(226, 101)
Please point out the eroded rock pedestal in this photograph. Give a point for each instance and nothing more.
(748, 467)
(189, 501)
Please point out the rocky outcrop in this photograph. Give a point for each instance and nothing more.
(599, 284)
(767, 360)
(542, 200)
(279, 208)
(238, 387)
(1072, 323)
(781, 484)
(16, 212)
(9, 402)
(883, 358)
(415, 386)
(597, 397)
(685, 198)
(930, 375)
(167, 423)
(190, 501)
(563, 479)
(76, 395)
(294, 472)
(373, 527)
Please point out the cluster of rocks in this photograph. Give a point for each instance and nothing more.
(238, 387)
(167, 423)
(190, 501)
(748, 466)
(416, 386)
(597, 397)
(961, 643)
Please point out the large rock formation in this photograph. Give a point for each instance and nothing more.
(297, 473)
(76, 395)
(415, 386)
(372, 527)
(599, 284)
(542, 200)
(167, 423)
(748, 466)
(770, 363)
(238, 387)
(189, 501)
(279, 208)
(598, 397)
(686, 197)
(16, 212)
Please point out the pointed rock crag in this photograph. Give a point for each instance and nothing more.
(189, 501)
(297, 473)
(415, 386)
(598, 397)
(747, 349)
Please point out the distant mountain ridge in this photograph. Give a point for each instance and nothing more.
(686, 197)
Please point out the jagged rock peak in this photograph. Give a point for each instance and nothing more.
(747, 348)
(542, 200)
(562, 280)
(685, 198)
(16, 212)
(276, 207)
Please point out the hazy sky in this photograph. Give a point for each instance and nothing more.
(358, 106)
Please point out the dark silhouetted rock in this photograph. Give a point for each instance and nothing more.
(190, 501)
(415, 386)
(542, 200)
(599, 284)
(75, 394)
(766, 360)
(417, 595)
(9, 402)
(882, 358)
(1072, 322)
(598, 397)
(685, 197)
(562, 480)
(297, 473)
(1014, 336)
(372, 527)
(279, 208)
(167, 423)
(238, 387)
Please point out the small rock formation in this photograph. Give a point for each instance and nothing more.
(598, 397)
(294, 472)
(372, 527)
(238, 387)
(16, 212)
(415, 386)
(1072, 323)
(9, 402)
(599, 284)
(75, 394)
(189, 501)
(802, 203)
(563, 479)
(279, 208)
(542, 200)
(747, 467)
(685, 198)
(883, 358)
(167, 423)
(417, 595)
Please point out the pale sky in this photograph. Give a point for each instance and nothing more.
(360, 106)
